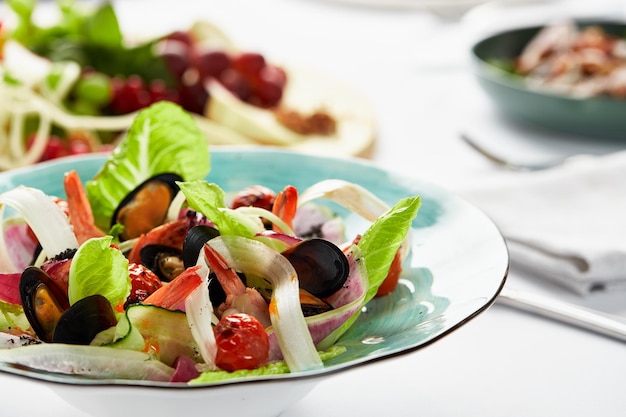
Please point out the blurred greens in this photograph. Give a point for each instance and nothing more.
(90, 36)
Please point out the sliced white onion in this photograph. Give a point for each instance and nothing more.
(92, 361)
(265, 214)
(11, 341)
(46, 219)
(201, 318)
(350, 195)
(353, 197)
(175, 207)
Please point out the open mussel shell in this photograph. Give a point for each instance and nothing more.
(311, 305)
(321, 266)
(84, 320)
(194, 241)
(43, 302)
(166, 262)
(146, 206)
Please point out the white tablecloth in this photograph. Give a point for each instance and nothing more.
(413, 67)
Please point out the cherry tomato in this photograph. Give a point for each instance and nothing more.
(143, 283)
(242, 342)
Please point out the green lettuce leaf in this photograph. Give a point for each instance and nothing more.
(163, 138)
(383, 238)
(98, 268)
(272, 368)
(12, 317)
(208, 199)
(102, 27)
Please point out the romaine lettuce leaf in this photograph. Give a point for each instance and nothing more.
(98, 268)
(383, 238)
(163, 138)
(208, 199)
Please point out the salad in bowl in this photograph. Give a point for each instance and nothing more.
(151, 272)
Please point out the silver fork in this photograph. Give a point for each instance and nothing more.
(509, 164)
(584, 318)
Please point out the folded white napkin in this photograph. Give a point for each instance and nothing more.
(567, 224)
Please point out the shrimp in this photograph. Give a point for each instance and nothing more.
(239, 298)
(551, 38)
(80, 214)
(170, 234)
(286, 204)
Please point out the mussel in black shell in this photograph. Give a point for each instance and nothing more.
(43, 302)
(52, 318)
(166, 262)
(321, 266)
(195, 240)
(146, 206)
(84, 320)
(311, 305)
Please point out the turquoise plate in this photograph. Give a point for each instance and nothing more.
(458, 265)
(601, 117)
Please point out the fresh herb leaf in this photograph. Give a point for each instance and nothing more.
(90, 37)
(121, 61)
(102, 28)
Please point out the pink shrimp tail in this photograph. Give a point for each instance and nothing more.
(80, 214)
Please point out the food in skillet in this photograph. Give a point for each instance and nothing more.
(212, 286)
(580, 62)
(74, 86)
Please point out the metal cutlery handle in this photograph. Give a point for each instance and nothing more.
(565, 312)
(508, 163)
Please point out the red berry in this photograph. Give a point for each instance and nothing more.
(181, 36)
(268, 93)
(55, 148)
(272, 73)
(129, 95)
(212, 63)
(193, 95)
(249, 64)
(176, 55)
(235, 83)
(157, 90)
